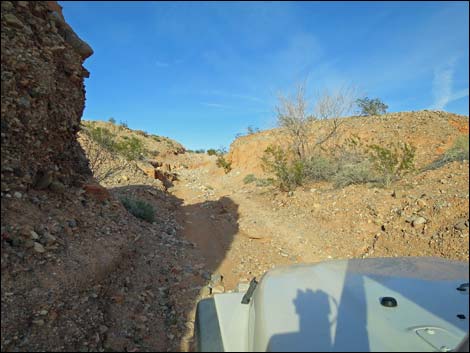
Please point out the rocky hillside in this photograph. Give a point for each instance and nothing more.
(431, 132)
(154, 145)
(120, 156)
(79, 272)
(42, 97)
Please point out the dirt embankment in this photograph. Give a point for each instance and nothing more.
(431, 132)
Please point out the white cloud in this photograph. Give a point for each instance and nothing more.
(443, 86)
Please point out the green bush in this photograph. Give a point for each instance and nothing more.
(200, 151)
(249, 178)
(289, 174)
(223, 163)
(211, 152)
(132, 149)
(112, 121)
(320, 168)
(458, 152)
(354, 163)
(357, 173)
(393, 161)
(139, 209)
(264, 182)
(369, 106)
(102, 136)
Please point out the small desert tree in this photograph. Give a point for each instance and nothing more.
(331, 106)
(221, 162)
(369, 106)
(295, 116)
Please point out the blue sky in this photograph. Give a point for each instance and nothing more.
(202, 72)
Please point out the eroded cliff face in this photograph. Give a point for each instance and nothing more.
(43, 97)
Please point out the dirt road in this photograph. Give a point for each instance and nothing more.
(243, 230)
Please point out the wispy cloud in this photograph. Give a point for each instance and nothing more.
(215, 105)
(442, 89)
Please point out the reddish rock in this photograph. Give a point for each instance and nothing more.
(97, 192)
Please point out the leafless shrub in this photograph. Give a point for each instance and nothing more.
(103, 163)
(296, 117)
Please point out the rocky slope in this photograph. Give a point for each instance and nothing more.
(42, 97)
(78, 271)
(111, 167)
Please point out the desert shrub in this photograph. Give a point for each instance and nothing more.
(102, 161)
(157, 138)
(112, 121)
(357, 173)
(297, 118)
(264, 182)
(200, 151)
(139, 209)
(102, 136)
(123, 124)
(132, 149)
(458, 152)
(392, 161)
(211, 152)
(249, 178)
(320, 168)
(289, 174)
(250, 130)
(141, 133)
(223, 163)
(369, 106)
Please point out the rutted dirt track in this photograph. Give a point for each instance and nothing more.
(216, 227)
(244, 230)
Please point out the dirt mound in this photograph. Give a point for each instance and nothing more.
(431, 132)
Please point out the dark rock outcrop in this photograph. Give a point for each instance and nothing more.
(43, 97)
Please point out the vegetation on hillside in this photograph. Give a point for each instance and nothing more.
(305, 159)
(139, 209)
(458, 152)
(368, 106)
